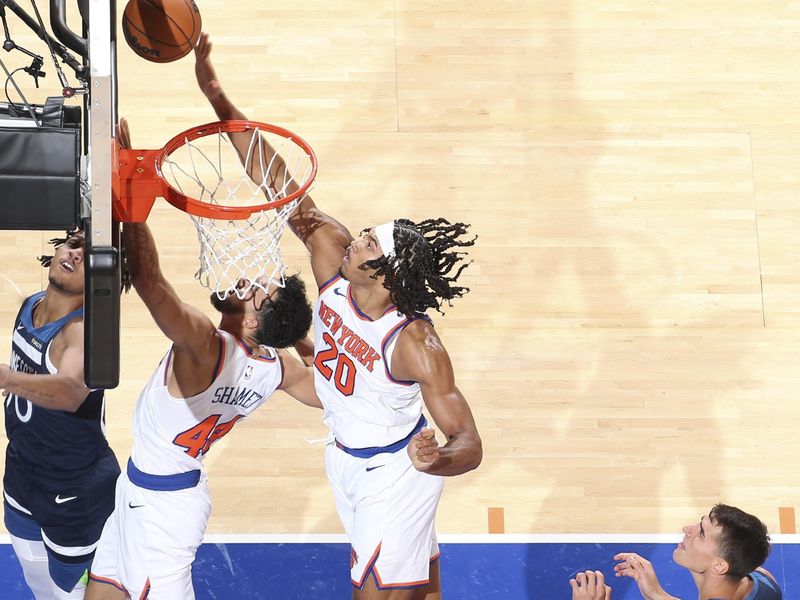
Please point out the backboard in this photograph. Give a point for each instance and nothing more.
(102, 267)
(56, 160)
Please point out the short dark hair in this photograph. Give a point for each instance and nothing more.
(418, 275)
(285, 319)
(743, 543)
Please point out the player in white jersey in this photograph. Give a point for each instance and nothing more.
(377, 360)
(211, 378)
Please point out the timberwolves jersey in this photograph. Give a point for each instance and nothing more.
(365, 405)
(764, 587)
(55, 443)
(171, 435)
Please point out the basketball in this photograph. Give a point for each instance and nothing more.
(161, 30)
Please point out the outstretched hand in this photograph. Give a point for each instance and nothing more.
(590, 585)
(642, 572)
(204, 70)
(423, 449)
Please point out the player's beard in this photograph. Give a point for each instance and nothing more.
(64, 288)
(228, 306)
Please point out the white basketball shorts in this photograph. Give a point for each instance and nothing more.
(149, 542)
(387, 508)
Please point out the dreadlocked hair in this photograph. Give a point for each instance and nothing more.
(418, 276)
(57, 242)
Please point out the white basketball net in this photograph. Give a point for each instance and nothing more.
(237, 255)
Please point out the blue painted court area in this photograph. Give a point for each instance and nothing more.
(318, 571)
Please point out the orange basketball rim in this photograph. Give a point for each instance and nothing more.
(140, 176)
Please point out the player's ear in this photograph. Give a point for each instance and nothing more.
(250, 322)
(720, 566)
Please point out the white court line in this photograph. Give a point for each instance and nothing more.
(465, 538)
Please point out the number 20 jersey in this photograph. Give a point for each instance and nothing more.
(171, 435)
(365, 406)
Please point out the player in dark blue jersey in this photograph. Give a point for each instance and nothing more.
(60, 473)
(723, 553)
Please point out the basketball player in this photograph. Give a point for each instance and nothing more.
(377, 359)
(211, 378)
(723, 552)
(58, 487)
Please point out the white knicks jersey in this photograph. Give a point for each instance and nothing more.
(171, 435)
(364, 405)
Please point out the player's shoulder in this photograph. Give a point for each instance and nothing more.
(419, 335)
(73, 327)
(761, 574)
(331, 281)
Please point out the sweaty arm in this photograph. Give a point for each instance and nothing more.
(420, 356)
(194, 336)
(324, 237)
(192, 332)
(63, 391)
(298, 380)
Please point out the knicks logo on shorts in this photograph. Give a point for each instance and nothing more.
(353, 557)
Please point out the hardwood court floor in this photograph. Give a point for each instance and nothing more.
(630, 346)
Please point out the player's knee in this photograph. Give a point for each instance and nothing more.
(69, 580)
(28, 550)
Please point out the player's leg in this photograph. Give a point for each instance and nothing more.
(98, 590)
(104, 577)
(49, 576)
(32, 558)
(69, 574)
(432, 591)
(26, 536)
(393, 530)
(150, 541)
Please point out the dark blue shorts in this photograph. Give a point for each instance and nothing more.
(70, 512)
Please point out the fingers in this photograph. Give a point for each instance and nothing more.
(203, 47)
(630, 565)
(583, 579)
(632, 558)
(426, 437)
(590, 585)
(123, 133)
(426, 433)
(426, 446)
(423, 449)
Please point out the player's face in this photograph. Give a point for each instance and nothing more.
(66, 268)
(253, 301)
(357, 253)
(699, 546)
(260, 297)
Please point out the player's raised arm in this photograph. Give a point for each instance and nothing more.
(192, 332)
(420, 356)
(324, 237)
(64, 390)
(186, 326)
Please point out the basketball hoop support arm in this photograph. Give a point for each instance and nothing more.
(136, 185)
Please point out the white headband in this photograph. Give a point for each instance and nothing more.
(385, 235)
